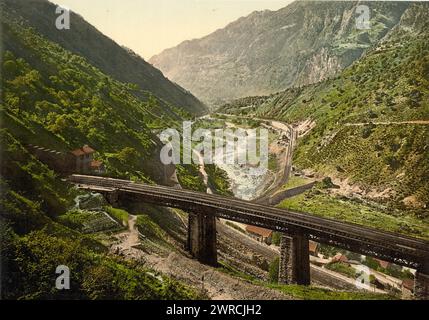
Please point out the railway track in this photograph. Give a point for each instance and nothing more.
(399, 249)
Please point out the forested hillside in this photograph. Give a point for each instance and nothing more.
(57, 99)
(371, 122)
(102, 52)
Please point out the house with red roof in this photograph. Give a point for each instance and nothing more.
(97, 166)
(260, 234)
(408, 286)
(84, 159)
(76, 161)
(382, 263)
(339, 257)
(313, 248)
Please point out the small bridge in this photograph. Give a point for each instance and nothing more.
(297, 228)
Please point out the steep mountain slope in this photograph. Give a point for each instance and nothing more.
(100, 51)
(372, 121)
(56, 99)
(266, 51)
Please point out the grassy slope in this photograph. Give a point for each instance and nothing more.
(294, 182)
(358, 212)
(50, 91)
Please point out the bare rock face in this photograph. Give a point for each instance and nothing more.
(320, 66)
(268, 51)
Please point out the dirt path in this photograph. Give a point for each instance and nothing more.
(424, 122)
(128, 240)
(133, 236)
(216, 284)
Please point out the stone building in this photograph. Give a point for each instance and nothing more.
(260, 234)
(61, 162)
(339, 257)
(83, 159)
(77, 161)
(313, 248)
(97, 166)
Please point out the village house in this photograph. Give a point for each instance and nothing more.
(408, 287)
(382, 263)
(77, 161)
(97, 166)
(83, 158)
(339, 257)
(260, 234)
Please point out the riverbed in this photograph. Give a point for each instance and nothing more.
(247, 181)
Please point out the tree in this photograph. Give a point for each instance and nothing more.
(10, 69)
(273, 272)
(128, 155)
(275, 240)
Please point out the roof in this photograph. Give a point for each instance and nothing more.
(408, 284)
(87, 149)
(96, 164)
(82, 151)
(382, 263)
(259, 231)
(312, 246)
(339, 257)
(78, 152)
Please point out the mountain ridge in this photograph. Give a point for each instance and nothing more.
(103, 52)
(270, 51)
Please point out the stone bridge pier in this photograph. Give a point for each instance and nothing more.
(201, 242)
(294, 266)
(112, 197)
(202, 238)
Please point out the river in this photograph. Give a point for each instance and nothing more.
(247, 181)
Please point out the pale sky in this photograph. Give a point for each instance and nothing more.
(150, 26)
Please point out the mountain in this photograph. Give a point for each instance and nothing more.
(267, 51)
(62, 89)
(370, 124)
(56, 98)
(102, 52)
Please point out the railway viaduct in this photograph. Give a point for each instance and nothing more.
(296, 228)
